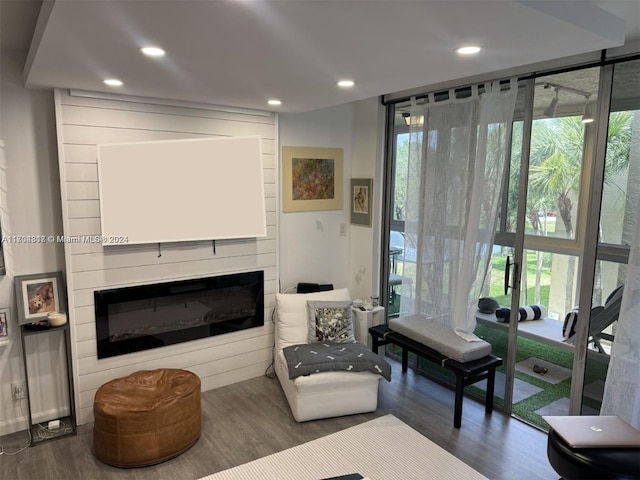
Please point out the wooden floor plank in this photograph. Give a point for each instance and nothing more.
(251, 419)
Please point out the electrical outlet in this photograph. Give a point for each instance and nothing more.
(17, 390)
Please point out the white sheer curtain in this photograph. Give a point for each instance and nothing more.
(622, 387)
(457, 156)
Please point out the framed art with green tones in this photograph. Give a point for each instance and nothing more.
(311, 179)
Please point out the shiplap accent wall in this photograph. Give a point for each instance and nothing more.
(83, 122)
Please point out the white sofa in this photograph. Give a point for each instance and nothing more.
(321, 395)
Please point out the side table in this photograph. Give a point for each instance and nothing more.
(363, 320)
(70, 420)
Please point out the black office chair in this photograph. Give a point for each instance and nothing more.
(601, 318)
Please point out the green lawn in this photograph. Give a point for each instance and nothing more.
(496, 289)
(528, 348)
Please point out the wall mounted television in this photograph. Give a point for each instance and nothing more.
(181, 190)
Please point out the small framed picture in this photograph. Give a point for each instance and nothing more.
(361, 191)
(4, 325)
(38, 295)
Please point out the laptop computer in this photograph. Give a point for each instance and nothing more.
(594, 431)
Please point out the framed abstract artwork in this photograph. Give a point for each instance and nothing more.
(311, 179)
(361, 192)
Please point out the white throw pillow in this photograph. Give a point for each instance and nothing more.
(291, 310)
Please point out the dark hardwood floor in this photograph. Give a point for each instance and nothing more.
(251, 419)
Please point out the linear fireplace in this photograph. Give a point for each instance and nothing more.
(137, 318)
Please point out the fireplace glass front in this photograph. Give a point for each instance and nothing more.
(137, 318)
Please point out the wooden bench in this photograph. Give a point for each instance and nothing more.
(466, 373)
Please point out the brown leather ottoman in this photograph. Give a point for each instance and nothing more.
(146, 418)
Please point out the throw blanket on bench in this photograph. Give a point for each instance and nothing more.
(308, 358)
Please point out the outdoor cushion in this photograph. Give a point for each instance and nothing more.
(439, 337)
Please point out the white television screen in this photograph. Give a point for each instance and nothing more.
(181, 190)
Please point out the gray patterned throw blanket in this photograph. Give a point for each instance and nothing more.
(308, 358)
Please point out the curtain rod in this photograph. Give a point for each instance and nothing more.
(598, 63)
(445, 93)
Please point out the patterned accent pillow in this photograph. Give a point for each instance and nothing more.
(330, 322)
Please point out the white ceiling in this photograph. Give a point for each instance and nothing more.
(243, 52)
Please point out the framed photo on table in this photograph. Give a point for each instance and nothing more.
(311, 179)
(38, 295)
(361, 192)
(4, 325)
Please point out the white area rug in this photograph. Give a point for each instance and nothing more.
(381, 449)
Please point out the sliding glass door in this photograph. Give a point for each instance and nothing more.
(562, 239)
(620, 167)
(557, 165)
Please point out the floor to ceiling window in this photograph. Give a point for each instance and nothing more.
(556, 162)
(618, 208)
(401, 252)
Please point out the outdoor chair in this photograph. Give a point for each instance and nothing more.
(601, 318)
(396, 254)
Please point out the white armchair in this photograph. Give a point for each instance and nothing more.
(320, 395)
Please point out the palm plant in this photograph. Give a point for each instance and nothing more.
(556, 159)
(556, 162)
(401, 172)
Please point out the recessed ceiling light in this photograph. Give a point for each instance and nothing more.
(274, 101)
(113, 82)
(152, 51)
(468, 50)
(346, 83)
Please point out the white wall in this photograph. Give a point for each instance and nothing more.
(85, 122)
(28, 130)
(367, 155)
(29, 205)
(311, 247)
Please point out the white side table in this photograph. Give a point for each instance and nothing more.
(363, 320)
